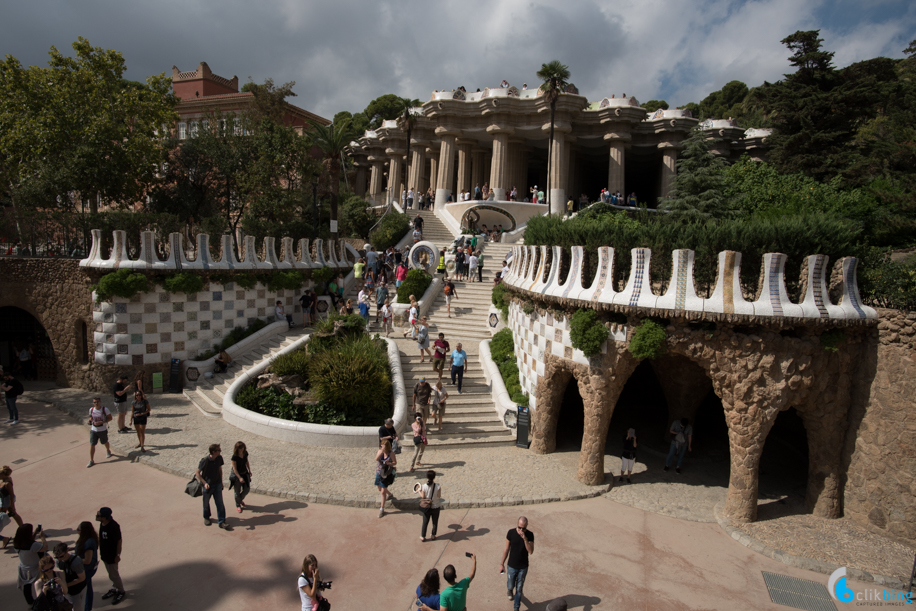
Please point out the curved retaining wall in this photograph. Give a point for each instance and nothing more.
(305, 433)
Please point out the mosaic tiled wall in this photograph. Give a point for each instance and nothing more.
(537, 335)
(157, 326)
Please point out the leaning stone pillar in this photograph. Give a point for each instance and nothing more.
(669, 170)
(445, 183)
(464, 165)
(499, 168)
(748, 426)
(550, 389)
(616, 163)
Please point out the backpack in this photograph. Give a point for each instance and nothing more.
(70, 574)
(447, 290)
(16, 387)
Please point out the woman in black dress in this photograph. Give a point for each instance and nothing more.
(139, 412)
(628, 456)
(241, 470)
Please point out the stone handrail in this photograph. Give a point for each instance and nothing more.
(341, 255)
(527, 272)
(236, 350)
(306, 433)
(502, 402)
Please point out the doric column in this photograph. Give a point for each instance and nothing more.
(417, 166)
(616, 163)
(669, 170)
(499, 166)
(464, 164)
(395, 180)
(360, 185)
(515, 162)
(445, 184)
(559, 172)
(376, 178)
(487, 165)
(477, 169)
(433, 167)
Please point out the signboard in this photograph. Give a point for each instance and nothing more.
(333, 226)
(522, 425)
(157, 382)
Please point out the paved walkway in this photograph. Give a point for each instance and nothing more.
(597, 553)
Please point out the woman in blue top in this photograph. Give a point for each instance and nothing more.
(428, 592)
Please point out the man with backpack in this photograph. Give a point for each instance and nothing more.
(74, 572)
(449, 291)
(12, 388)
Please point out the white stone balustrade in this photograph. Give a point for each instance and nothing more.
(180, 259)
(527, 272)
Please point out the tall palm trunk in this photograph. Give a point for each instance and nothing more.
(553, 111)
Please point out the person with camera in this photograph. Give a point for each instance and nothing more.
(310, 585)
(74, 574)
(240, 478)
(454, 597)
(30, 553)
(519, 544)
(99, 417)
(386, 464)
(50, 585)
(120, 390)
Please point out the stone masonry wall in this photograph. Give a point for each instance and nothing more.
(880, 449)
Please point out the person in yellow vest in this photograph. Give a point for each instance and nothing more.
(440, 269)
(569, 207)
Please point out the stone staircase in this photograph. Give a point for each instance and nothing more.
(207, 394)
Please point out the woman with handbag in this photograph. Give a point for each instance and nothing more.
(30, 553)
(240, 478)
(385, 468)
(52, 586)
(419, 440)
(430, 504)
(139, 413)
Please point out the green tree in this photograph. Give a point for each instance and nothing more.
(333, 141)
(724, 103)
(698, 188)
(79, 126)
(387, 107)
(653, 105)
(554, 79)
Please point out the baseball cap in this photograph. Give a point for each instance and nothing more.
(105, 512)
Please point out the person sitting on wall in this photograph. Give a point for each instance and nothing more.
(222, 362)
(504, 84)
(281, 314)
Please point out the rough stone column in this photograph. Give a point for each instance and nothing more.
(445, 184)
(477, 169)
(617, 164)
(669, 170)
(417, 167)
(395, 180)
(464, 165)
(499, 168)
(559, 172)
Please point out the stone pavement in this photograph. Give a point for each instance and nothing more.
(597, 553)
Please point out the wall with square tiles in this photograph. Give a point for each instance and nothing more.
(158, 326)
(539, 334)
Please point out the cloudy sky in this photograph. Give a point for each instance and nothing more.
(344, 53)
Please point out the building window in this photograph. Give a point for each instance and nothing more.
(182, 130)
(192, 129)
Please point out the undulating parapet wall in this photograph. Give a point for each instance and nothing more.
(533, 270)
(340, 255)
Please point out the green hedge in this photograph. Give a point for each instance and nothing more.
(416, 284)
(648, 340)
(123, 283)
(586, 332)
(183, 282)
(501, 300)
(391, 230)
(502, 351)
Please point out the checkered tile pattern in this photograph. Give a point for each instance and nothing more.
(156, 327)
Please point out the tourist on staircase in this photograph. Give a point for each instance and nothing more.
(418, 426)
(423, 340)
(459, 366)
(448, 293)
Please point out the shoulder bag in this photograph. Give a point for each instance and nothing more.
(426, 503)
(194, 488)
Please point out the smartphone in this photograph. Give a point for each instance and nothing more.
(468, 554)
(38, 530)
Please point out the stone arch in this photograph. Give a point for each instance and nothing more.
(7, 312)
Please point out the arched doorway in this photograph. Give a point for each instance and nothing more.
(20, 331)
(642, 406)
(571, 421)
(784, 468)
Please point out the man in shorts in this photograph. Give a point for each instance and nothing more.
(421, 394)
(120, 390)
(440, 352)
(448, 291)
(99, 417)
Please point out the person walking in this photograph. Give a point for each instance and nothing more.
(412, 317)
(455, 596)
(74, 574)
(628, 456)
(385, 471)
(309, 578)
(437, 404)
(26, 363)
(423, 340)
(30, 552)
(139, 412)
(87, 548)
(99, 417)
(449, 292)
(381, 296)
(681, 444)
(479, 266)
(430, 504)
(387, 432)
(305, 301)
(418, 426)
(387, 317)
(358, 268)
(440, 267)
(472, 263)
(460, 263)
(8, 494)
(400, 274)
(120, 390)
(440, 352)
(210, 474)
(459, 366)
(240, 478)
(110, 544)
(428, 591)
(519, 545)
(12, 388)
(421, 394)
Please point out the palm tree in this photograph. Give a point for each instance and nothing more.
(406, 121)
(333, 141)
(555, 77)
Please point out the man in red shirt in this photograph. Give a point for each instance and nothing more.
(440, 351)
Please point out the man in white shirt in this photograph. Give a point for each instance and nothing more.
(410, 198)
(281, 314)
(99, 417)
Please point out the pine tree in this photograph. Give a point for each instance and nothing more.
(698, 190)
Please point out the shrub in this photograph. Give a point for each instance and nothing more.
(354, 379)
(528, 307)
(356, 219)
(351, 326)
(183, 282)
(292, 363)
(587, 332)
(122, 283)
(886, 283)
(245, 280)
(393, 227)
(648, 340)
(416, 284)
(502, 351)
(322, 277)
(288, 280)
(501, 300)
